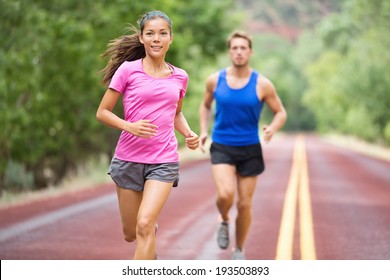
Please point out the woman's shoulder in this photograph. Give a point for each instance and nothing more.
(127, 68)
(178, 71)
(134, 64)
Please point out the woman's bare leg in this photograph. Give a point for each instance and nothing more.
(129, 202)
(154, 197)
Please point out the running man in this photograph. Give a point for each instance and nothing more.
(236, 155)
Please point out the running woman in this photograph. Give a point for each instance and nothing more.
(145, 165)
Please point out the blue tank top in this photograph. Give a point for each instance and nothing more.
(237, 113)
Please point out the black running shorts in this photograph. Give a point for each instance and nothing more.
(247, 159)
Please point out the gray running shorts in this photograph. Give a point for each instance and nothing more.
(132, 175)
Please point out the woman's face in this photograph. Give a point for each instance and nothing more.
(156, 37)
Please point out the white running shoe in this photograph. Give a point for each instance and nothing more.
(223, 235)
(238, 255)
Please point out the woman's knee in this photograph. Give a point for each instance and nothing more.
(145, 226)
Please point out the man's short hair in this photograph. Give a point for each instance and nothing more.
(239, 34)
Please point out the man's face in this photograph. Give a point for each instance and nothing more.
(240, 52)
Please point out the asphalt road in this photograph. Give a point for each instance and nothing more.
(315, 200)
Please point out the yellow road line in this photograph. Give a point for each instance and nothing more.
(298, 182)
(286, 232)
(308, 251)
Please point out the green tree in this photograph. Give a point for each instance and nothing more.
(351, 76)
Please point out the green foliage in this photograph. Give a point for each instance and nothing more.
(50, 87)
(387, 132)
(323, 97)
(49, 82)
(275, 58)
(349, 82)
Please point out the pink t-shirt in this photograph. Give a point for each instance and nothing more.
(149, 98)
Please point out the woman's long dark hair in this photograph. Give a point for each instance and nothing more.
(128, 47)
(124, 48)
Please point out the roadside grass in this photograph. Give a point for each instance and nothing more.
(90, 175)
(360, 146)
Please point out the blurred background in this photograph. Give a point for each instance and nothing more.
(328, 59)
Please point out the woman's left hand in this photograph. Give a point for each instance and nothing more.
(192, 140)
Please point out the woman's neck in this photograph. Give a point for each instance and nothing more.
(156, 67)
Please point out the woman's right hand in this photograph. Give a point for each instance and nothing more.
(142, 128)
